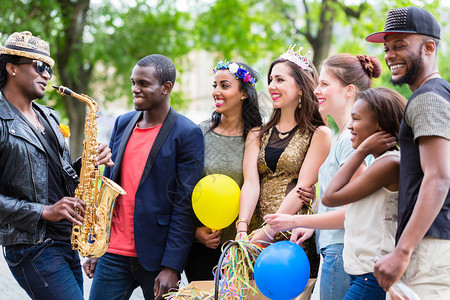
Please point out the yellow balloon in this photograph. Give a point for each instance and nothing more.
(215, 201)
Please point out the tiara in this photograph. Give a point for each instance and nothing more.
(298, 59)
(239, 71)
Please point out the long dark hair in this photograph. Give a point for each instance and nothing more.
(387, 106)
(250, 108)
(307, 117)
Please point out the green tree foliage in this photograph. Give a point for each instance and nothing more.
(136, 32)
(87, 37)
(97, 43)
(240, 30)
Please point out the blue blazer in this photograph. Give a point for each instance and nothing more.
(164, 225)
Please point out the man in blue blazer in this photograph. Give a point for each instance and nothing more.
(158, 157)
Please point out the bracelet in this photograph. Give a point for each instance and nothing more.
(240, 220)
(242, 231)
(268, 235)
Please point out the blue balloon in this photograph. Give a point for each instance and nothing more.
(282, 271)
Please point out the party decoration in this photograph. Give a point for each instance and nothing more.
(233, 276)
(282, 271)
(64, 130)
(215, 201)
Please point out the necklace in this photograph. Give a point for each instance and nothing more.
(283, 135)
(39, 126)
(426, 77)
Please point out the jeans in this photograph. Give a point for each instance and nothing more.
(117, 276)
(50, 270)
(334, 282)
(364, 287)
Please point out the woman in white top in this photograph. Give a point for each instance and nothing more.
(370, 218)
(342, 78)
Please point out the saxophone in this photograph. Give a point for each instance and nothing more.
(92, 238)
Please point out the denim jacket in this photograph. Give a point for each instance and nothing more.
(24, 176)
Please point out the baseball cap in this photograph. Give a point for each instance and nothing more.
(407, 20)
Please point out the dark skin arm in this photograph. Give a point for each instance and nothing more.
(301, 234)
(166, 279)
(71, 208)
(89, 267)
(207, 237)
(104, 156)
(383, 173)
(435, 163)
(65, 208)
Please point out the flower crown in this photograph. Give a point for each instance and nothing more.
(298, 59)
(239, 71)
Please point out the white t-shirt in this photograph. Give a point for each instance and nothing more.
(370, 226)
(339, 154)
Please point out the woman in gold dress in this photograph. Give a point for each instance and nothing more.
(286, 153)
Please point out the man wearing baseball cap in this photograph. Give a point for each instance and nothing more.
(421, 258)
(37, 177)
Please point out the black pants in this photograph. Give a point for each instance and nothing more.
(201, 262)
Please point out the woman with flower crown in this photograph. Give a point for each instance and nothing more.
(285, 154)
(236, 113)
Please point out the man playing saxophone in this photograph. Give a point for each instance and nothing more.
(37, 177)
(159, 159)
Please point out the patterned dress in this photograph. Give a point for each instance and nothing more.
(279, 163)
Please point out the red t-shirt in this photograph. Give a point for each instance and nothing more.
(133, 163)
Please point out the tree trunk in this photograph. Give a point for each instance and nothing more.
(322, 41)
(74, 69)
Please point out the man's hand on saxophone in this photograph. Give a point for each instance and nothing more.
(104, 156)
(69, 208)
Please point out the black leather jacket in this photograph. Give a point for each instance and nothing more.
(24, 176)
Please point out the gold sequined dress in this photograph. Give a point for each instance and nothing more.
(279, 163)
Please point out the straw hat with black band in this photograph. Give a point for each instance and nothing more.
(26, 45)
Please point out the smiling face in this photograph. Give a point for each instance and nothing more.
(226, 94)
(330, 92)
(403, 55)
(32, 83)
(363, 123)
(148, 93)
(283, 88)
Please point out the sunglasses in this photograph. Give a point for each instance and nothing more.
(40, 66)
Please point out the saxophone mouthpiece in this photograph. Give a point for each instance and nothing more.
(63, 90)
